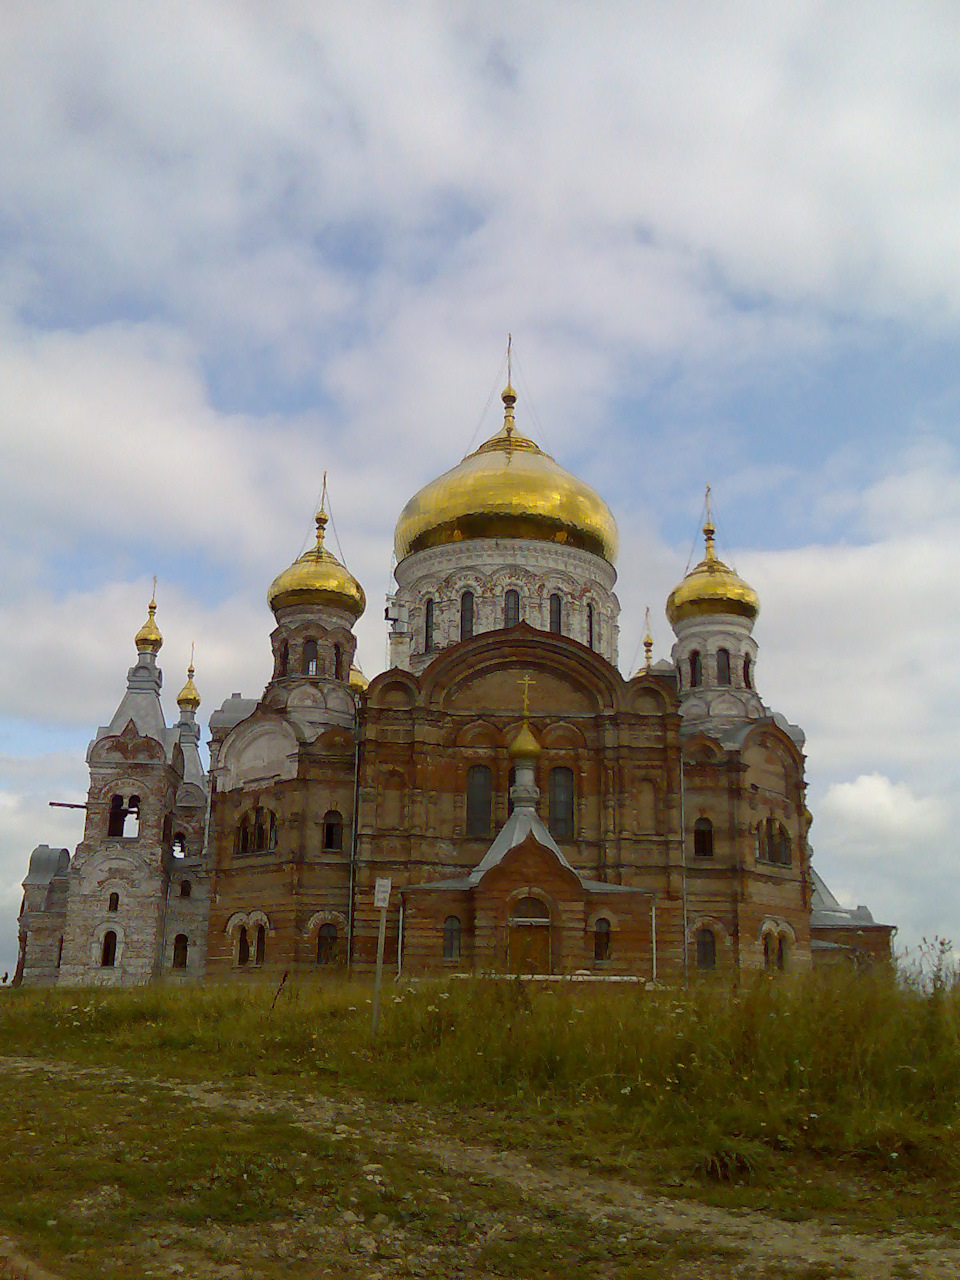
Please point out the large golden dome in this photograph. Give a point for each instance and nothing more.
(508, 488)
(711, 587)
(318, 577)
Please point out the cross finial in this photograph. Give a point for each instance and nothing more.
(510, 359)
(526, 681)
(647, 641)
(153, 598)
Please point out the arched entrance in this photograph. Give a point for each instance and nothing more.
(530, 944)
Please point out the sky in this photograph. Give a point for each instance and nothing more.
(244, 243)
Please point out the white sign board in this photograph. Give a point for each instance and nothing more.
(381, 893)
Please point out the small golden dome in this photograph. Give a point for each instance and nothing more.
(357, 680)
(148, 639)
(318, 578)
(524, 745)
(508, 488)
(711, 587)
(188, 699)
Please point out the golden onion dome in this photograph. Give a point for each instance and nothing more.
(318, 577)
(188, 699)
(711, 587)
(508, 488)
(357, 680)
(524, 746)
(148, 639)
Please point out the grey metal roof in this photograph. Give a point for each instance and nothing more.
(45, 863)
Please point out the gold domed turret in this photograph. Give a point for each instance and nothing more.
(711, 587)
(508, 488)
(148, 639)
(357, 680)
(318, 577)
(188, 699)
(524, 746)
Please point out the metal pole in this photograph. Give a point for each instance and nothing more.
(376, 990)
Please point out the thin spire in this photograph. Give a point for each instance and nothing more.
(509, 396)
(647, 642)
(709, 532)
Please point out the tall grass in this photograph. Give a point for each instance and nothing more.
(832, 1064)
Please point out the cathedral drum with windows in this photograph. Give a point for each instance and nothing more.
(535, 811)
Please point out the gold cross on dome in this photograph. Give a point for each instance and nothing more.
(526, 681)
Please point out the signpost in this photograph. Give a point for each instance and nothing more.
(381, 900)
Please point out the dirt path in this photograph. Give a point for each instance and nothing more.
(757, 1239)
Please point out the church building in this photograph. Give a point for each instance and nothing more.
(535, 811)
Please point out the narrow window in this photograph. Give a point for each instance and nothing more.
(428, 626)
(327, 944)
(108, 954)
(180, 951)
(60, 954)
(556, 614)
(561, 803)
(133, 812)
(479, 798)
(271, 831)
(179, 845)
(451, 938)
(337, 662)
(333, 830)
(261, 943)
(185, 888)
(243, 834)
(283, 659)
(168, 829)
(259, 831)
(696, 670)
(589, 626)
(747, 680)
(308, 658)
(511, 779)
(784, 841)
(601, 939)
(706, 949)
(466, 615)
(117, 817)
(113, 903)
(781, 954)
(703, 838)
(767, 951)
(511, 608)
(723, 666)
(243, 946)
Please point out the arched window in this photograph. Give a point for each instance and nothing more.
(590, 626)
(108, 952)
(180, 951)
(703, 838)
(113, 903)
(561, 803)
(133, 813)
(428, 626)
(601, 939)
(118, 814)
(257, 832)
(243, 946)
(168, 829)
(511, 608)
(773, 843)
(466, 615)
(706, 949)
(723, 666)
(283, 658)
(781, 953)
(308, 658)
(479, 798)
(185, 888)
(338, 662)
(261, 944)
(333, 829)
(451, 938)
(556, 614)
(696, 670)
(179, 845)
(747, 673)
(768, 951)
(530, 909)
(327, 944)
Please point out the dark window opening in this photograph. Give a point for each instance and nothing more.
(747, 681)
(706, 949)
(428, 626)
(243, 946)
(60, 954)
(703, 838)
(723, 666)
(773, 843)
(781, 954)
(257, 832)
(696, 670)
(333, 830)
(261, 944)
(180, 951)
(511, 608)
(601, 939)
(530, 909)
(466, 615)
(168, 829)
(451, 938)
(327, 944)
(338, 662)
(108, 953)
(179, 844)
(511, 779)
(118, 815)
(561, 803)
(767, 951)
(308, 658)
(185, 888)
(479, 799)
(283, 658)
(113, 902)
(556, 614)
(590, 626)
